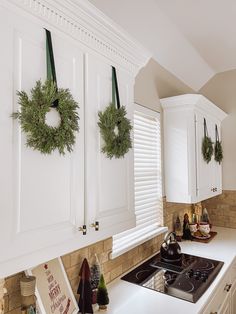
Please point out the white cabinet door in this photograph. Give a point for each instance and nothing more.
(225, 307)
(109, 182)
(233, 297)
(42, 195)
(209, 175)
(217, 168)
(204, 170)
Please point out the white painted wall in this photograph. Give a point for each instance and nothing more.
(221, 90)
(148, 24)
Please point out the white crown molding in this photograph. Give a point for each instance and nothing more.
(192, 101)
(85, 23)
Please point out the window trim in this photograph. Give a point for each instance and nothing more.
(132, 238)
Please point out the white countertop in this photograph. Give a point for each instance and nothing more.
(128, 298)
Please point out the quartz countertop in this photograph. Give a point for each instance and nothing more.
(128, 298)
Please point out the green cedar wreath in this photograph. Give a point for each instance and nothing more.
(115, 130)
(39, 135)
(207, 148)
(218, 151)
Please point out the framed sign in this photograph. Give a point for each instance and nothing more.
(53, 290)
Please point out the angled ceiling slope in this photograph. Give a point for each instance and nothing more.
(209, 26)
(146, 22)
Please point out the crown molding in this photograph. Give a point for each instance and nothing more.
(86, 24)
(192, 101)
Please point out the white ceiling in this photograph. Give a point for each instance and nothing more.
(209, 25)
(193, 39)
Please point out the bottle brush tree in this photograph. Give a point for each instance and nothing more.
(102, 294)
(95, 272)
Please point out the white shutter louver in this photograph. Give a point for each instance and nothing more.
(147, 182)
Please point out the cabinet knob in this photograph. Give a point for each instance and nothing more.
(83, 229)
(95, 225)
(227, 287)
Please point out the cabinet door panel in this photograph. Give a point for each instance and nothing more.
(233, 296)
(217, 168)
(225, 307)
(110, 181)
(205, 171)
(42, 190)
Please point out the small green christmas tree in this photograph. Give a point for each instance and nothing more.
(102, 294)
(95, 272)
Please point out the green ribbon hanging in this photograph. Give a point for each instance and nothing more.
(51, 70)
(115, 89)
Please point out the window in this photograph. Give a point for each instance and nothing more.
(147, 182)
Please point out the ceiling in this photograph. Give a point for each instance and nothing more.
(209, 25)
(192, 39)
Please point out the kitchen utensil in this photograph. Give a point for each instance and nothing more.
(170, 249)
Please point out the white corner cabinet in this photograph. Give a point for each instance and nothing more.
(223, 300)
(188, 178)
(46, 200)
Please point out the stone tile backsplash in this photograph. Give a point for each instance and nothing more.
(222, 209)
(72, 263)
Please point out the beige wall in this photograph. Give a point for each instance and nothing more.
(221, 89)
(154, 82)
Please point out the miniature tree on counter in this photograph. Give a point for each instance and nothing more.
(102, 294)
(95, 272)
(95, 277)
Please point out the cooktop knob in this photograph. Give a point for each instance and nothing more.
(204, 277)
(190, 273)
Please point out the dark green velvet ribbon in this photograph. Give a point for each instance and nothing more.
(115, 89)
(51, 70)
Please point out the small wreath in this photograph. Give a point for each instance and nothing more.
(218, 151)
(34, 108)
(207, 145)
(115, 130)
(207, 149)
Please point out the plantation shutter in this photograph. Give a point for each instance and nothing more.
(147, 182)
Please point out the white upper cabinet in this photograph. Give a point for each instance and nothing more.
(109, 182)
(45, 199)
(40, 205)
(188, 178)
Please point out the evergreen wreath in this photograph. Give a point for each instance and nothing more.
(207, 145)
(115, 130)
(218, 151)
(39, 135)
(34, 108)
(114, 126)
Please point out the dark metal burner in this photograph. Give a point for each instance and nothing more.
(187, 279)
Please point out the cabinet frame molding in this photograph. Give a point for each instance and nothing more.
(85, 23)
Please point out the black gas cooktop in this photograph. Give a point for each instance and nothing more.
(187, 280)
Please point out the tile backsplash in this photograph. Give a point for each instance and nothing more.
(72, 263)
(222, 209)
(111, 268)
